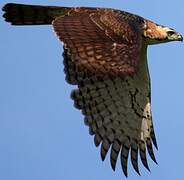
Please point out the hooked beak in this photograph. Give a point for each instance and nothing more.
(180, 37)
(174, 36)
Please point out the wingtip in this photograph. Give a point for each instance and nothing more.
(138, 173)
(97, 139)
(113, 166)
(143, 157)
(145, 163)
(150, 150)
(154, 160)
(125, 172)
(155, 143)
(156, 146)
(102, 157)
(137, 170)
(148, 168)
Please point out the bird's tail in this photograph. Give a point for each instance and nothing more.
(20, 14)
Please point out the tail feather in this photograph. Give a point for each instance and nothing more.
(20, 14)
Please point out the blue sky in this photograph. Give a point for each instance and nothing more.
(43, 137)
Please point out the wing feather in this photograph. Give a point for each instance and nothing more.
(124, 157)
(143, 155)
(115, 149)
(105, 148)
(134, 156)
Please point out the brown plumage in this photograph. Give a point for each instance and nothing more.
(105, 55)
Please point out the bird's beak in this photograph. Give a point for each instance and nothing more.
(175, 37)
(180, 37)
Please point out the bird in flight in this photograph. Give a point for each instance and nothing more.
(105, 56)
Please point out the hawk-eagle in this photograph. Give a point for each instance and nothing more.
(105, 55)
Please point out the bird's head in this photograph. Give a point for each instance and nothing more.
(155, 34)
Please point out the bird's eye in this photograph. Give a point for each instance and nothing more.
(170, 33)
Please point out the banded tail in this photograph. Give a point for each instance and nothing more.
(20, 14)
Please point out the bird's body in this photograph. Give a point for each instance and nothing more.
(105, 55)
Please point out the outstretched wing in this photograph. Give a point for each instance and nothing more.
(104, 57)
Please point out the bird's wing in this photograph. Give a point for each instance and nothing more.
(100, 42)
(101, 51)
